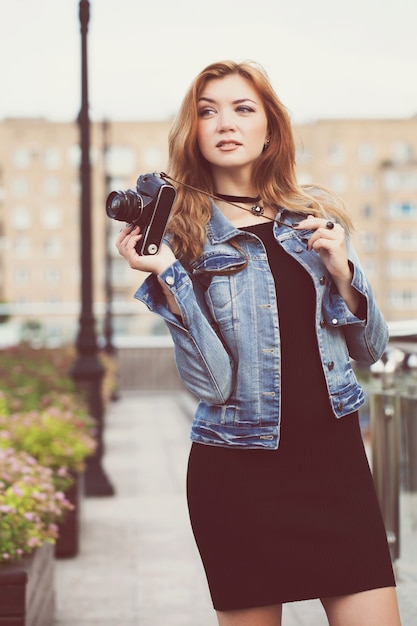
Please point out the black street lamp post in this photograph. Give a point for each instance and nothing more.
(108, 317)
(108, 263)
(87, 370)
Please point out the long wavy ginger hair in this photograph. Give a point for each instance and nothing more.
(273, 171)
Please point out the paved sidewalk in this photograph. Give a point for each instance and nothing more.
(138, 564)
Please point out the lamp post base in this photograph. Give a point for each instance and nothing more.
(96, 482)
(87, 373)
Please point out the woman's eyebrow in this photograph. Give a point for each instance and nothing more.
(239, 101)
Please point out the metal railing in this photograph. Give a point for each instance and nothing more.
(393, 428)
(385, 454)
(147, 364)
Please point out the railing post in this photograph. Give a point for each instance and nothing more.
(409, 442)
(385, 409)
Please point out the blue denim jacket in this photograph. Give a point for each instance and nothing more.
(227, 344)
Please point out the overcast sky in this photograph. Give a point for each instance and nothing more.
(325, 58)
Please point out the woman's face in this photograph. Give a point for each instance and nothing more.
(232, 125)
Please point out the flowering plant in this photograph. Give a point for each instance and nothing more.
(46, 434)
(59, 436)
(30, 505)
(29, 374)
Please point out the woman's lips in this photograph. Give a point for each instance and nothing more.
(228, 145)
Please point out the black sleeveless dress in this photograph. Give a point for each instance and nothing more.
(303, 521)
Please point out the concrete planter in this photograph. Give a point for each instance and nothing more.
(27, 593)
(68, 542)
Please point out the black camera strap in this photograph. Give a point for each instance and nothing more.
(258, 212)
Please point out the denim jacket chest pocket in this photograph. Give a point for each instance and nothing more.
(214, 270)
(223, 259)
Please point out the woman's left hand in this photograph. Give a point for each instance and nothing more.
(328, 239)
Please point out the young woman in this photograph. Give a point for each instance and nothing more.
(266, 303)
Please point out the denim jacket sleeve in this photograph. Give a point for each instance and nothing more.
(366, 338)
(202, 360)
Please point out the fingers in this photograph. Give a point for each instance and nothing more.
(126, 242)
(326, 233)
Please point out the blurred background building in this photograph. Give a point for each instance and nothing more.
(371, 163)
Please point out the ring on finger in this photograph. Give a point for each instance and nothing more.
(330, 225)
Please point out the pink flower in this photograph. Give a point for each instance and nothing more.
(33, 542)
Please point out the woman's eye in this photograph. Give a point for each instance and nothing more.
(244, 108)
(206, 112)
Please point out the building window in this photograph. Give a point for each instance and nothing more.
(119, 274)
(52, 276)
(20, 187)
(400, 181)
(74, 155)
(52, 158)
(53, 247)
(367, 211)
(152, 158)
(120, 161)
(22, 247)
(401, 240)
(21, 218)
(402, 151)
(402, 268)
(22, 276)
(118, 184)
(369, 268)
(51, 218)
(366, 152)
(368, 241)
(402, 210)
(366, 182)
(336, 154)
(51, 186)
(402, 299)
(338, 182)
(22, 158)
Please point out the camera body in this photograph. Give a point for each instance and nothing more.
(149, 207)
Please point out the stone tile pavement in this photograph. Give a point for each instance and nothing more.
(138, 564)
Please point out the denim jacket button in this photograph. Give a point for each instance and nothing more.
(169, 280)
(322, 280)
(330, 365)
(322, 323)
(334, 321)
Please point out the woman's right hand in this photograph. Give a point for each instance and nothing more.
(157, 263)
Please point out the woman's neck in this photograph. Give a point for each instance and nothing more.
(234, 183)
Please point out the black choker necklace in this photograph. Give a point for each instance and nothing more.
(257, 209)
(243, 199)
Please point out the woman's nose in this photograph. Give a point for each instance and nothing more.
(226, 123)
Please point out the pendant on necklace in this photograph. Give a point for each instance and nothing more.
(258, 210)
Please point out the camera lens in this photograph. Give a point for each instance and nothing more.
(124, 206)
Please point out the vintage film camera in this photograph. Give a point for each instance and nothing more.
(149, 207)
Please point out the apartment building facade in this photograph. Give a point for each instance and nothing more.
(371, 163)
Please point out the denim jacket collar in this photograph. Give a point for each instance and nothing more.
(220, 229)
